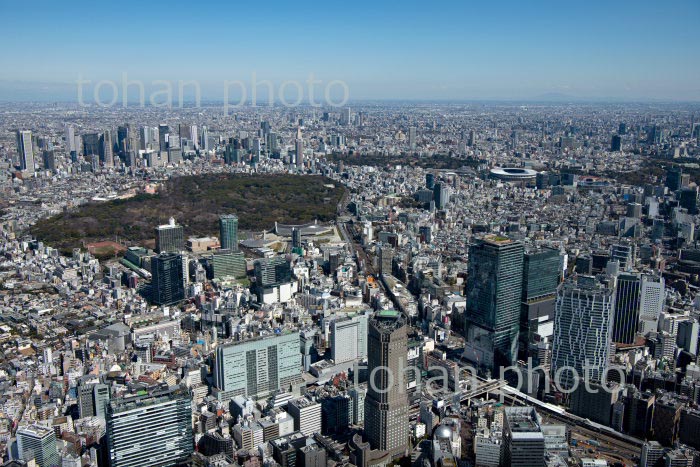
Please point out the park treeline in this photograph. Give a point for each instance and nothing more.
(196, 202)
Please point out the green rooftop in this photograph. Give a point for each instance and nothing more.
(388, 314)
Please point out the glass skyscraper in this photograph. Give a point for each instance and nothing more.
(228, 231)
(151, 429)
(25, 150)
(541, 275)
(494, 293)
(167, 279)
(627, 308)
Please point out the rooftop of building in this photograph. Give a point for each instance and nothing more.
(497, 240)
(148, 397)
(303, 402)
(35, 430)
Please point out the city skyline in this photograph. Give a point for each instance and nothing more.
(365, 235)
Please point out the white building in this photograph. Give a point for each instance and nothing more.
(306, 414)
(348, 338)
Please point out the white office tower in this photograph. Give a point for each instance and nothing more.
(25, 151)
(70, 139)
(582, 331)
(39, 443)
(651, 302)
(348, 336)
(345, 117)
(194, 136)
(412, 137)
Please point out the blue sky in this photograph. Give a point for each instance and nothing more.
(381, 49)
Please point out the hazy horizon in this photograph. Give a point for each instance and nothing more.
(597, 51)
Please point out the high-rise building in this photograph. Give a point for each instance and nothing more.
(674, 178)
(627, 308)
(258, 367)
(106, 148)
(49, 160)
(412, 137)
(70, 139)
(494, 296)
(651, 302)
(151, 429)
(163, 132)
(170, 237)
(688, 199)
(228, 231)
(441, 195)
(616, 143)
(145, 134)
(690, 427)
(386, 258)
(348, 338)
(358, 394)
(167, 278)
(232, 152)
(634, 210)
(582, 330)
(541, 275)
(184, 131)
(296, 237)
(345, 116)
(124, 136)
(227, 263)
(25, 151)
(299, 153)
(386, 403)
(39, 443)
(91, 144)
(272, 271)
(92, 398)
(101, 395)
(174, 155)
(204, 139)
(688, 335)
(523, 440)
